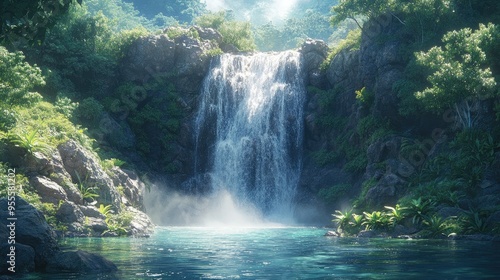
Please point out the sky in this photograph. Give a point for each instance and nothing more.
(261, 13)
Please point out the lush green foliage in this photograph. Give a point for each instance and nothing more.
(28, 20)
(183, 11)
(17, 79)
(236, 33)
(460, 72)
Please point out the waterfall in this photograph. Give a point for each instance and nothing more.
(249, 129)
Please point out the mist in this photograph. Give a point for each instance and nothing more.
(172, 208)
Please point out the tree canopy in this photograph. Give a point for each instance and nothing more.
(28, 20)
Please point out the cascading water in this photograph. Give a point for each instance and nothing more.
(249, 130)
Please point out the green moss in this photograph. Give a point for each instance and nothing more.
(333, 193)
(351, 42)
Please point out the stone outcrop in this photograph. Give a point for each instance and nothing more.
(31, 229)
(81, 262)
(69, 172)
(314, 52)
(85, 169)
(375, 66)
(36, 246)
(183, 59)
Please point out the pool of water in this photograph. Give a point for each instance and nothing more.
(285, 253)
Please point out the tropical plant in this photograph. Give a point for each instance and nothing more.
(475, 222)
(105, 210)
(356, 222)
(375, 220)
(88, 193)
(342, 219)
(29, 141)
(419, 209)
(28, 20)
(18, 78)
(396, 214)
(435, 226)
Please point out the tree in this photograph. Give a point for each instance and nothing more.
(28, 20)
(17, 79)
(461, 76)
(236, 33)
(353, 9)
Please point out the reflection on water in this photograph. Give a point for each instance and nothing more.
(286, 253)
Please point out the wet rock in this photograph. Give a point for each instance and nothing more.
(314, 52)
(147, 57)
(367, 234)
(96, 224)
(48, 190)
(25, 258)
(332, 234)
(141, 225)
(69, 212)
(117, 134)
(209, 34)
(91, 211)
(81, 262)
(32, 230)
(385, 191)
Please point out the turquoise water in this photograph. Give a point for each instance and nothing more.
(286, 253)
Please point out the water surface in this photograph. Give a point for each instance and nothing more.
(286, 253)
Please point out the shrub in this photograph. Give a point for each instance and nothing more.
(17, 79)
(375, 220)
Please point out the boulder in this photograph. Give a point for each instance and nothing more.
(209, 34)
(80, 262)
(32, 230)
(141, 225)
(148, 57)
(85, 167)
(48, 190)
(96, 224)
(117, 134)
(91, 211)
(314, 52)
(25, 258)
(385, 191)
(133, 188)
(332, 234)
(69, 212)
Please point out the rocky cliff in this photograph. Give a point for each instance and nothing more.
(74, 181)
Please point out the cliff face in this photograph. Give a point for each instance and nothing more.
(354, 134)
(73, 182)
(334, 112)
(359, 148)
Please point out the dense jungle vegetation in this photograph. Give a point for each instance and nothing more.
(59, 69)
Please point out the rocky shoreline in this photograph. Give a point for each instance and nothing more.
(63, 182)
(35, 246)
